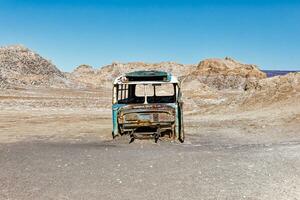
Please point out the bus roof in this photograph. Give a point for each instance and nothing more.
(146, 77)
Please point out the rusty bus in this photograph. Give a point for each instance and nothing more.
(147, 104)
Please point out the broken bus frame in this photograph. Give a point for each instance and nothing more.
(147, 104)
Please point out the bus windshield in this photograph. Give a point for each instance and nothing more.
(146, 93)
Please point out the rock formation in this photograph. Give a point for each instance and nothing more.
(104, 76)
(274, 89)
(226, 74)
(20, 66)
(84, 69)
(215, 73)
(116, 69)
(213, 84)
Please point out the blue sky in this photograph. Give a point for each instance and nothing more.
(73, 32)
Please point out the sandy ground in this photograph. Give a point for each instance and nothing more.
(56, 144)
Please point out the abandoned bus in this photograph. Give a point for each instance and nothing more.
(147, 104)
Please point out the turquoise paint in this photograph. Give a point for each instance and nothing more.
(115, 110)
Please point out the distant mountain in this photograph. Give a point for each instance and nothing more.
(22, 67)
(217, 73)
(104, 76)
(271, 73)
(213, 84)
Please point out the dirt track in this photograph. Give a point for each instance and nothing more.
(50, 149)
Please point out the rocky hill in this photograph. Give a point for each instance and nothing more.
(21, 67)
(83, 69)
(278, 92)
(275, 89)
(104, 76)
(116, 69)
(87, 76)
(215, 73)
(213, 84)
(226, 74)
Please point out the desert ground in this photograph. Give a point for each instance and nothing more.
(56, 144)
